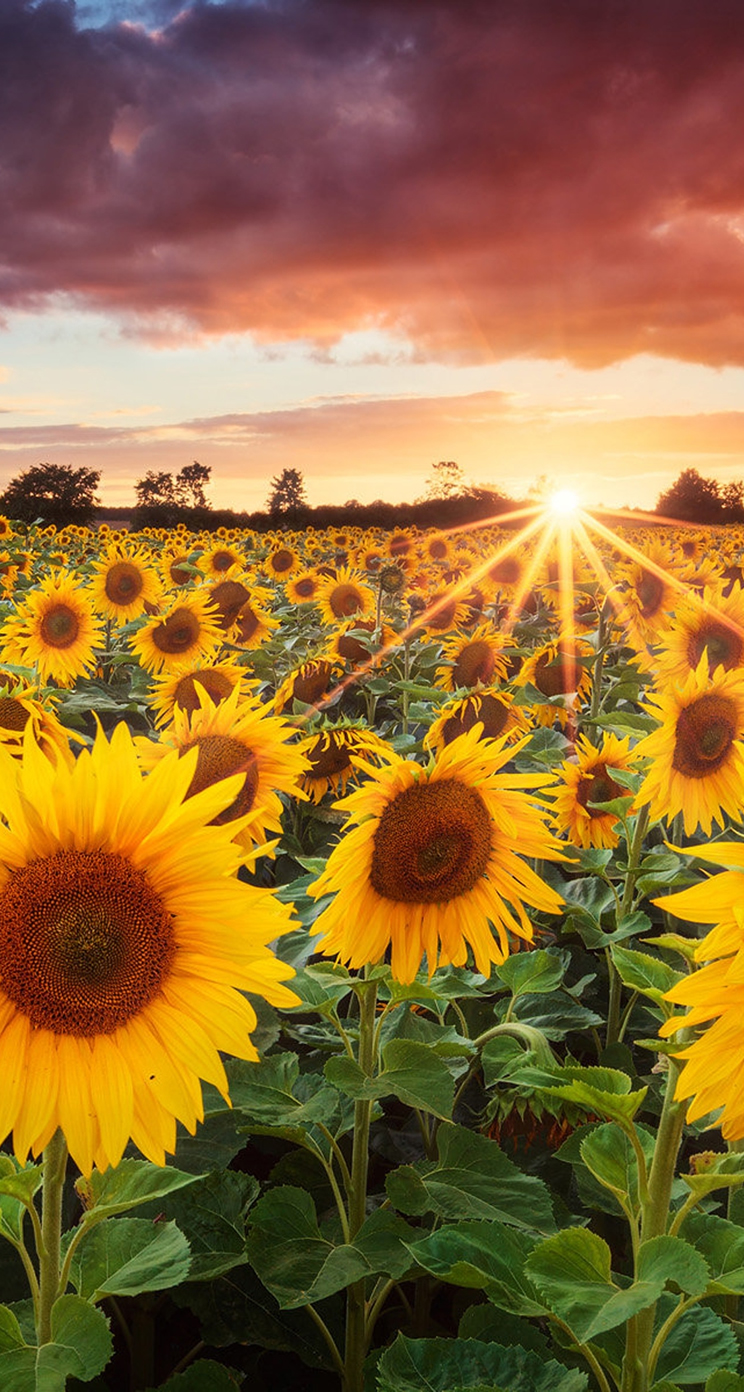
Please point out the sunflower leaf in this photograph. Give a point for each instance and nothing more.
(204, 1376)
(125, 1256)
(410, 1072)
(541, 970)
(648, 975)
(453, 1365)
(483, 1256)
(132, 1182)
(700, 1344)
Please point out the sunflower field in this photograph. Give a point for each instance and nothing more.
(372, 959)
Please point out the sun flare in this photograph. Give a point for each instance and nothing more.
(564, 502)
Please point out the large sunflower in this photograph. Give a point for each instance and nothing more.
(431, 863)
(343, 596)
(493, 711)
(126, 942)
(54, 629)
(181, 689)
(309, 683)
(713, 1076)
(332, 754)
(586, 782)
(185, 632)
(124, 584)
(238, 736)
(697, 754)
(712, 627)
(474, 659)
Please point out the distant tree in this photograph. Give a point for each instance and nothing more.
(446, 480)
(52, 493)
(156, 490)
(287, 494)
(732, 501)
(691, 498)
(190, 484)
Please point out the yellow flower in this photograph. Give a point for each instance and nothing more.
(589, 781)
(494, 712)
(474, 659)
(54, 629)
(696, 754)
(186, 631)
(253, 625)
(281, 562)
(431, 862)
(303, 586)
(179, 568)
(123, 585)
(309, 683)
(126, 943)
(714, 1068)
(712, 627)
(181, 689)
(332, 754)
(219, 559)
(238, 736)
(342, 596)
(560, 675)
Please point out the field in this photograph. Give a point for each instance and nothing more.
(372, 973)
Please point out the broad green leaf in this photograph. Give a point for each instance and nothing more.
(300, 1266)
(238, 1309)
(609, 1156)
(483, 1256)
(204, 1376)
(700, 1344)
(715, 1170)
(18, 1184)
(81, 1346)
(721, 1244)
(443, 1040)
(539, 971)
(723, 1381)
(410, 1072)
(641, 972)
(471, 1178)
(666, 1258)
(320, 985)
(132, 1182)
(273, 1093)
(125, 1256)
(572, 1273)
(486, 1323)
(11, 1335)
(554, 1015)
(438, 1365)
(600, 1090)
(213, 1213)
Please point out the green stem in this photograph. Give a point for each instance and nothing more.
(55, 1167)
(356, 1294)
(327, 1335)
(635, 851)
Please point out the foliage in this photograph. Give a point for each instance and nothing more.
(52, 493)
(287, 498)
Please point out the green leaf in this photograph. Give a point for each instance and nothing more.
(721, 1245)
(608, 1155)
(541, 970)
(81, 1346)
(273, 1094)
(213, 1213)
(723, 1381)
(238, 1309)
(602, 1090)
(641, 972)
(132, 1182)
(700, 1344)
(472, 1178)
(671, 1259)
(437, 1365)
(18, 1184)
(11, 1335)
(572, 1273)
(300, 1266)
(483, 1256)
(712, 1171)
(487, 1323)
(410, 1072)
(204, 1376)
(125, 1256)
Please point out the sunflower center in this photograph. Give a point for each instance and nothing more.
(85, 942)
(248, 623)
(438, 549)
(352, 649)
(221, 756)
(650, 593)
(597, 786)
(329, 757)
(722, 644)
(306, 587)
(177, 633)
(706, 730)
(432, 843)
(178, 574)
(506, 571)
(344, 601)
(124, 583)
(443, 617)
(216, 685)
(282, 560)
(222, 560)
(554, 676)
(13, 714)
(475, 663)
(311, 682)
(60, 626)
(229, 596)
(493, 713)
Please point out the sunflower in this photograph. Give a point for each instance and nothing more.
(19, 710)
(712, 626)
(442, 611)
(187, 631)
(54, 629)
(221, 558)
(181, 689)
(253, 625)
(344, 596)
(281, 562)
(127, 941)
(303, 587)
(494, 712)
(696, 754)
(180, 567)
(648, 595)
(228, 597)
(123, 584)
(360, 639)
(431, 863)
(331, 754)
(473, 659)
(586, 782)
(714, 1063)
(6, 526)
(309, 683)
(560, 676)
(238, 736)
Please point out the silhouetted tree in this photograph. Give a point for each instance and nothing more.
(156, 490)
(287, 494)
(732, 501)
(446, 480)
(52, 493)
(190, 484)
(691, 498)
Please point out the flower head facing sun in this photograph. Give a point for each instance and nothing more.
(430, 864)
(585, 784)
(187, 631)
(126, 941)
(54, 629)
(124, 584)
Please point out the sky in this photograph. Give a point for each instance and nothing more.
(356, 237)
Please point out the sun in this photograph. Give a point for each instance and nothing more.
(563, 502)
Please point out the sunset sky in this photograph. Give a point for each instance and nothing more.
(359, 236)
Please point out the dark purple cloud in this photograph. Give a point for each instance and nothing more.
(521, 177)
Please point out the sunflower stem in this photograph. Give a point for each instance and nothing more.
(356, 1333)
(55, 1167)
